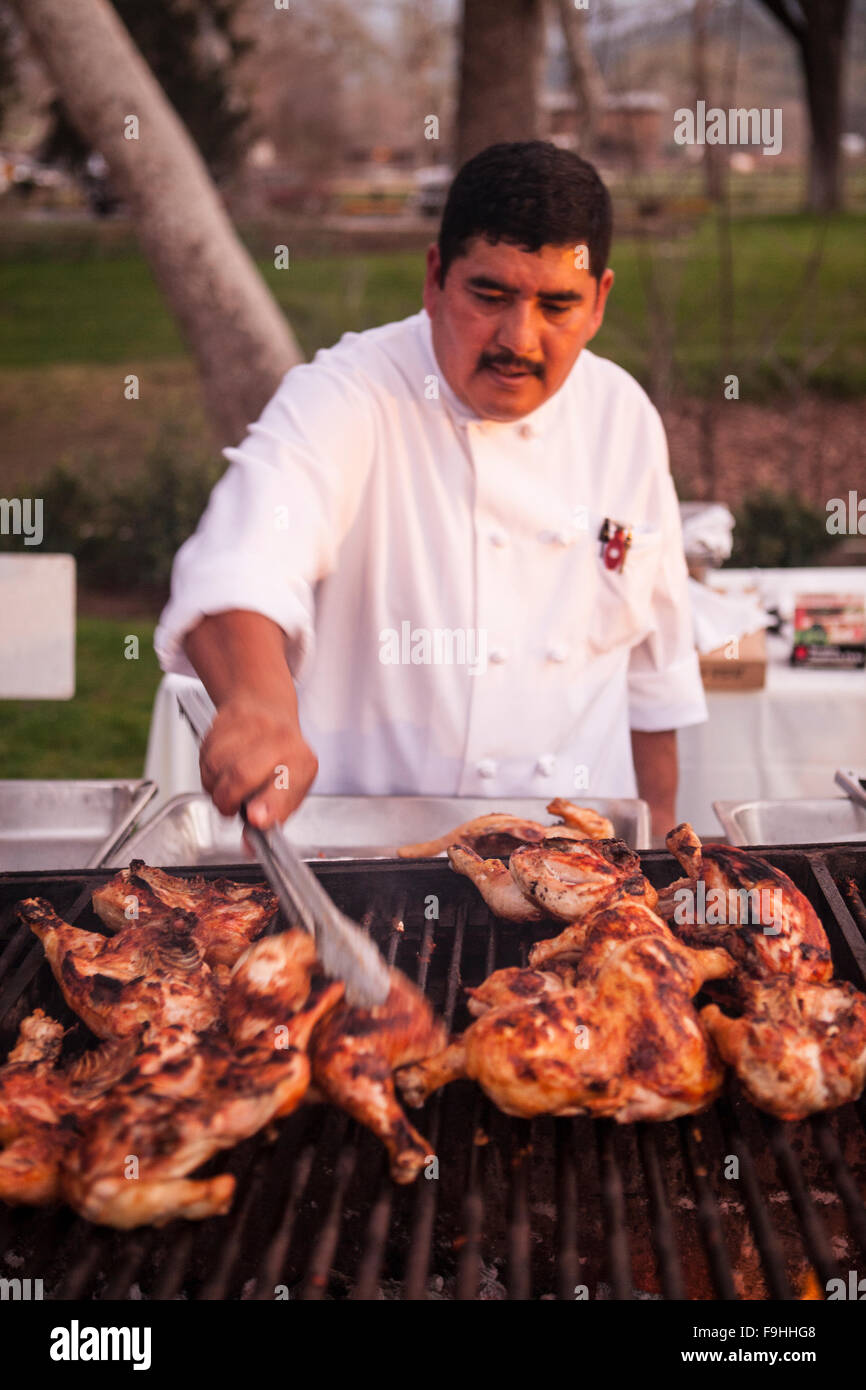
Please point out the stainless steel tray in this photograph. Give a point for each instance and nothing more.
(189, 830)
(66, 824)
(797, 821)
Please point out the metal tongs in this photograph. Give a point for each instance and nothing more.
(344, 950)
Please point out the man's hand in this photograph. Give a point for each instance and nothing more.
(657, 772)
(255, 748)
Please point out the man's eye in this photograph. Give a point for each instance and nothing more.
(488, 298)
(556, 308)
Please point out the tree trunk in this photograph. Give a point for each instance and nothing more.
(502, 43)
(822, 58)
(818, 28)
(238, 335)
(588, 82)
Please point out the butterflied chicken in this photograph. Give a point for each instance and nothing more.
(798, 1047)
(498, 833)
(751, 908)
(228, 916)
(354, 1054)
(149, 973)
(624, 1041)
(188, 1095)
(41, 1106)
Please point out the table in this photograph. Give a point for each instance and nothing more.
(783, 741)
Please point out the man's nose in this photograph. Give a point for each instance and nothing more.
(517, 331)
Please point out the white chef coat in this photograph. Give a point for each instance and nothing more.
(451, 626)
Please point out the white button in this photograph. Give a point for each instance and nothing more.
(498, 538)
(486, 768)
(525, 431)
(497, 654)
(546, 764)
(558, 652)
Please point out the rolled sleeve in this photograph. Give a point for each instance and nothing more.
(665, 690)
(276, 519)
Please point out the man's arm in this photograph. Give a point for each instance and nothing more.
(255, 741)
(655, 764)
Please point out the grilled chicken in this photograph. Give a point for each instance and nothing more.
(782, 934)
(40, 1106)
(624, 1041)
(354, 1053)
(494, 882)
(188, 1095)
(498, 833)
(799, 1047)
(571, 880)
(149, 973)
(228, 915)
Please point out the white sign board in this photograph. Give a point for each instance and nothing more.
(37, 627)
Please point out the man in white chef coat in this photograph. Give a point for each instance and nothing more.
(447, 558)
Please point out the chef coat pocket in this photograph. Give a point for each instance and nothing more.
(621, 602)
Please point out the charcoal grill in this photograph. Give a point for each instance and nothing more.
(549, 1209)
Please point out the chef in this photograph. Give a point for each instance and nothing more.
(447, 558)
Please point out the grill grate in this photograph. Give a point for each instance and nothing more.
(543, 1209)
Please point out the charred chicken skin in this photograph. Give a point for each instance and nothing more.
(798, 1047)
(188, 1095)
(150, 973)
(498, 833)
(624, 1041)
(228, 916)
(571, 881)
(354, 1054)
(41, 1106)
(783, 935)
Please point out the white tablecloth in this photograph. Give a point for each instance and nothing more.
(785, 740)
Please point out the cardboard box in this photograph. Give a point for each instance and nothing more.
(740, 665)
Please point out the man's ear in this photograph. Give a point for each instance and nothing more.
(432, 278)
(605, 285)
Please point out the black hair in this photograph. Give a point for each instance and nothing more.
(529, 193)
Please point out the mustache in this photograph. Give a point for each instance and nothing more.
(508, 359)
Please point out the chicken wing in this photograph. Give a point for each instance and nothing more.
(799, 1047)
(354, 1053)
(149, 973)
(228, 916)
(751, 908)
(592, 825)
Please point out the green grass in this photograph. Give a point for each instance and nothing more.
(107, 309)
(102, 730)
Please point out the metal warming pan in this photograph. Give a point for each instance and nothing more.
(550, 1209)
(66, 824)
(796, 821)
(189, 830)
